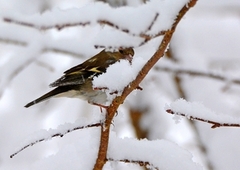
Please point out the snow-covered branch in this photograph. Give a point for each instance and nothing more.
(111, 110)
(44, 28)
(215, 124)
(53, 134)
(197, 73)
(197, 111)
(146, 37)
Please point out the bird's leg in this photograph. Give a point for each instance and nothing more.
(100, 105)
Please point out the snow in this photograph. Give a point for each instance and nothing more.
(119, 75)
(160, 154)
(206, 41)
(198, 110)
(91, 12)
(73, 154)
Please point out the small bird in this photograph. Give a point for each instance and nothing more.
(77, 81)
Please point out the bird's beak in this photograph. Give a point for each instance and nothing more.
(129, 57)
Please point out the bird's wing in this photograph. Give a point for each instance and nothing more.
(88, 69)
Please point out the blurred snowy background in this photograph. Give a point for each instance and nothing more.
(206, 41)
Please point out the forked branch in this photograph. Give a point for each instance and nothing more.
(111, 110)
(146, 37)
(53, 136)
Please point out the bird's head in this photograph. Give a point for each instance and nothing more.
(126, 53)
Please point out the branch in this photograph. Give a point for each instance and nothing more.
(198, 73)
(140, 163)
(54, 135)
(111, 110)
(44, 28)
(14, 42)
(215, 124)
(143, 35)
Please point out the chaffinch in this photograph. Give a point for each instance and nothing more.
(77, 81)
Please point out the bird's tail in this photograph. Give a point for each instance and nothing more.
(50, 94)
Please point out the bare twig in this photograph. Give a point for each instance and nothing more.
(141, 163)
(13, 42)
(54, 135)
(143, 35)
(215, 124)
(198, 73)
(44, 28)
(24, 44)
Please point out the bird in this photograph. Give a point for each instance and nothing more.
(77, 81)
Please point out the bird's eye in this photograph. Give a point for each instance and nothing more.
(121, 51)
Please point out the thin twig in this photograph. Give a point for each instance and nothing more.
(215, 124)
(198, 73)
(141, 163)
(54, 135)
(44, 28)
(146, 37)
(13, 42)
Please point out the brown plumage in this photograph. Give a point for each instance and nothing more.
(77, 81)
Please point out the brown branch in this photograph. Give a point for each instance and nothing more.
(141, 163)
(198, 73)
(24, 44)
(215, 124)
(14, 42)
(54, 135)
(43, 28)
(111, 110)
(153, 22)
(111, 47)
(143, 35)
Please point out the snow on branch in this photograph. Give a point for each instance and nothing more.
(13, 42)
(155, 154)
(44, 50)
(140, 163)
(45, 135)
(44, 28)
(111, 110)
(146, 22)
(197, 111)
(183, 71)
(146, 37)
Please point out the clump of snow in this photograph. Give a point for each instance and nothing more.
(119, 75)
(160, 154)
(61, 129)
(80, 153)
